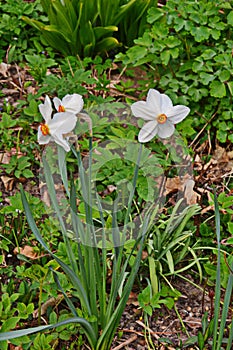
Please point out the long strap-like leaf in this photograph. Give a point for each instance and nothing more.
(85, 324)
(74, 279)
(218, 274)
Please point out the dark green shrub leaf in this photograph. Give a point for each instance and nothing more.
(154, 14)
(136, 53)
(206, 78)
(217, 89)
(208, 54)
(224, 75)
(230, 18)
(230, 87)
(9, 324)
(200, 33)
(221, 136)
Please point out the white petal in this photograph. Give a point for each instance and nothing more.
(141, 109)
(177, 114)
(57, 102)
(165, 103)
(62, 123)
(73, 103)
(165, 130)
(46, 109)
(59, 139)
(148, 131)
(154, 102)
(42, 139)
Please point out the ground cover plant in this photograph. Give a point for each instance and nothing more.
(121, 235)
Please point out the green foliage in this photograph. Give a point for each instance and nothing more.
(12, 312)
(38, 65)
(112, 168)
(225, 262)
(6, 130)
(217, 331)
(87, 28)
(42, 342)
(169, 243)
(81, 77)
(189, 51)
(15, 205)
(88, 280)
(207, 231)
(149, 301)
(19, 167)
(186, 51)
(18, 137)
(17, 38)
(134, 23)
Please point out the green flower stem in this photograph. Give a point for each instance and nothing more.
(130, 201)
(218, 275)
(70, 273)
(53, 197)
(117, 275)
(91, 260)
(103, 281)
(63, 168)
(79, 232)
(181, 321)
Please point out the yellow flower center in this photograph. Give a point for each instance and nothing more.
(44, 129)
(61, 108)
(161, 119)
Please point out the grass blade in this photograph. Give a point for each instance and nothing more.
(70, 273)
(218, 276)
(84, 323)
(225, 309)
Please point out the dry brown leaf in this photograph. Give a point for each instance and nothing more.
(4, 68)
(193, 322)
(230, 154)
(8, 182)
(190, 195)
(5, 157)
(50, 302)
(184, 184)
(26, 251)
(6, 91)
(220, 154)
(44, 194)
(198, 163)
(174, 184)
(133, 299)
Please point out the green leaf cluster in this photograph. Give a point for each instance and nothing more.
(149, 301)
(16, 37)
(87, 28)
(188, 48)
(77, 76)
(169, 243)
(99, 309)
(19, 167)
(12, 311)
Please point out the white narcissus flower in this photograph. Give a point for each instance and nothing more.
(55, 128)
(70, 103)
(160, 115)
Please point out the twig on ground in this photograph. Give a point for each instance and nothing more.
(201, 131)
(148, 329)
(128, 341)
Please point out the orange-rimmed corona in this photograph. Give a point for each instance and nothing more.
(61, 108)
(44, 129)
(161, 119)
